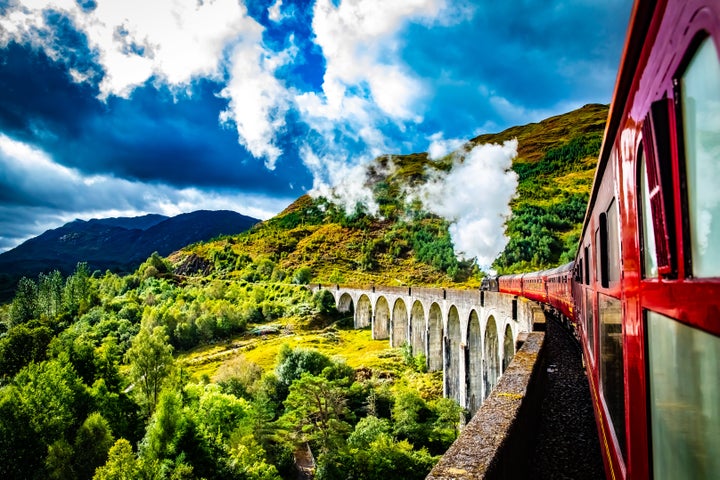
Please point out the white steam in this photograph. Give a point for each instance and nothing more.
(474, 197)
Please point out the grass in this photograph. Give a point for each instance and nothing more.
(355, 347)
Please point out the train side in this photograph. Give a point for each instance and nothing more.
(644, 289)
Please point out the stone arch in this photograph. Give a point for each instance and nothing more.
(490, 355)
(435, 338)
(363, 312)
(474, 367)
(452, 355)
(345, 303)
(399, 334)
(508, 347)
(381, 321)
(417, 328)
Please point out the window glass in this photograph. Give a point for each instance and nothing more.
(590, 317)
(611, 363)
(648, 235)
(613, 244)
(683, 371)
(700, 87)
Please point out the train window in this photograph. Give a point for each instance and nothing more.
(611, 363)
(590, 319)
(700, 97)
(600, 251)
(613, 244)
(684, 399)
(650, 268)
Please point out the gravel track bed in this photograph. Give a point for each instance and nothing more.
(567, 440)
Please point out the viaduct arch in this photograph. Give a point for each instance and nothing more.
(468, 334)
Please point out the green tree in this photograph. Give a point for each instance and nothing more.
(121, 463)
(302, 276)
(22, 345)
(24, 304)
(92, 442)
(292, 363)
(316, 411)
(76, 294)
(50, 290)
(150, 358)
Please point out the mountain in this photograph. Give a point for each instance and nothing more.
(118, 244)
(405, 245)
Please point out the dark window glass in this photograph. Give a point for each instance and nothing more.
(612, 364)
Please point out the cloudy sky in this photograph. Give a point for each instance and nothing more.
(111, 107)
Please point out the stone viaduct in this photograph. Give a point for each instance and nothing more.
(470, 335)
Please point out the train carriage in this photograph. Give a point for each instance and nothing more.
(645, 284)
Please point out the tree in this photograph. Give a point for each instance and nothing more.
(302, 276)
(50, 290)
(121, 463)
(316, 410)
(76, 295)
(92, 442)
(24, 305)
(292, 363)
(150, 358)
(22, 345)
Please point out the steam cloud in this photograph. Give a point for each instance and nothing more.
(474, 197)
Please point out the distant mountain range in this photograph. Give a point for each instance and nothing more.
(118, 244)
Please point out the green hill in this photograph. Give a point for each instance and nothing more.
(406, 245)
(219, 363)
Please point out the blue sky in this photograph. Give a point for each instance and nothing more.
(128, 107)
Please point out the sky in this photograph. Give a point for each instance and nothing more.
(121, 108)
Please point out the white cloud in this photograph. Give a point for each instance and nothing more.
(274, 12)
(257, 101)
(173, 42)
(366, 86)
(440, 147)
(474, 197)
(58, 194)
(136, 40)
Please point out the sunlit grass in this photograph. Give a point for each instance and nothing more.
(355, 347)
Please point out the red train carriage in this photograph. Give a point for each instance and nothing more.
(559, 289)
(646, 281)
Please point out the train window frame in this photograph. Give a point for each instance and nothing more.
(692, 257)
(656, 149)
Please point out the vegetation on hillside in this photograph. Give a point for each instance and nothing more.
(107, 377)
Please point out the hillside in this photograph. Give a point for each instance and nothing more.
(116, 244)
(217, 362)
(406, 245)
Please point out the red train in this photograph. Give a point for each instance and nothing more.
(644, 289)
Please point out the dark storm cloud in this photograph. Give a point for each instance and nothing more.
(156, 135)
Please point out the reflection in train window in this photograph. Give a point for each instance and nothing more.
(587, 266)
(684, 398)
(650, 269)
(613, 244)
(611, 363)
(700, 93)
(589, 318)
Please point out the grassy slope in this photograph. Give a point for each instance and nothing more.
(366, 250)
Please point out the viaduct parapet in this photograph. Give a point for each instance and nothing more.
(470, 335)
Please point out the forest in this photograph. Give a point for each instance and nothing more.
(91, 386)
